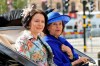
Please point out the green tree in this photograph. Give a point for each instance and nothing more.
(3, 6)
(17, 4)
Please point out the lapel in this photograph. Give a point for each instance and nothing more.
(59, 40)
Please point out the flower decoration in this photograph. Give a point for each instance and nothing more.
(27, 11)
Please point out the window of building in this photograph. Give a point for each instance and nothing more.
(69, 27)
(99, 5)
(44, 5)
(94, 26)
(73, 6)
(58, 6)
(99, 26)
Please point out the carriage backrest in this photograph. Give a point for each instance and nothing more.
(8, 35)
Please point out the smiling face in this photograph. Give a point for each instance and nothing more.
(55, 28)
(37, 23)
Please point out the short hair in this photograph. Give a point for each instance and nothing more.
(46, 28)
(27, 19)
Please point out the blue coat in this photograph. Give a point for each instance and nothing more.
(60, 58)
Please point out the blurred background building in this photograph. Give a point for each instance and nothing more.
(58, 4)
(44, 4)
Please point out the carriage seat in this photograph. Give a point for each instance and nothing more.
(8, 37)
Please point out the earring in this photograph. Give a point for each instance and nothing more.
(28, 27)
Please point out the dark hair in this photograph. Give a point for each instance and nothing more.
(27, 19)
(46, 28)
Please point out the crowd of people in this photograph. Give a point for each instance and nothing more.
(51, 49)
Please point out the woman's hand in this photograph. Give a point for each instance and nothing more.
(83, 59)
(66, 49)
(80, 60)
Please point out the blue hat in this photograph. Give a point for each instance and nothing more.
(55, 16)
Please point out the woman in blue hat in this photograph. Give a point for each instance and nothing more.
(64, 54)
